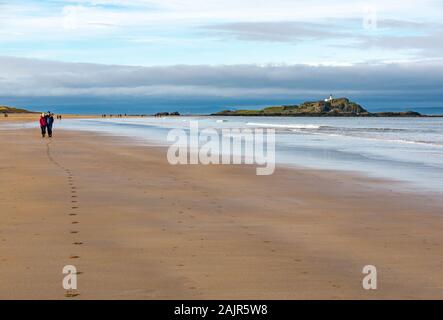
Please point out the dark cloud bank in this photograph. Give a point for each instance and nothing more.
(93, 88)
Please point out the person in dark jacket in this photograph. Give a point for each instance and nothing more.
(43, 124)
(49, 123)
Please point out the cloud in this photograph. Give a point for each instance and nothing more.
(283, 31)
(39, 78)
(429, 46)
(417, 38)
(42, 17)
(198, 30)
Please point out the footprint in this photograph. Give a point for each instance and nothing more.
(71, 294)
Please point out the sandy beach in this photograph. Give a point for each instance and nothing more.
(137, 227)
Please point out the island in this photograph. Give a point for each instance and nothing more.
(330, 107)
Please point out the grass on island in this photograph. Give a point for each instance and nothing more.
(6, 109)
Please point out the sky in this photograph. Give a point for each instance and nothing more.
(227, 50)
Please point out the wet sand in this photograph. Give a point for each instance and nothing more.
(138, 228)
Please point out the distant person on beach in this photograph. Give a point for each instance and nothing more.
(49, 123)
(43, 124)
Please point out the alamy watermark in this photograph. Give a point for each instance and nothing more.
(69, 282)
(370, 19)
(370, 280)
(223, 146)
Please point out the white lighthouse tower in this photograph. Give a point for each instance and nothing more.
(329, 99)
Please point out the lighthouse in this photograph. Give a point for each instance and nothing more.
(329, 99)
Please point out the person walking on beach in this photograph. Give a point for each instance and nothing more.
(49, 123)
(43, 124)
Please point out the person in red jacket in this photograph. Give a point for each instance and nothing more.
(43, 124)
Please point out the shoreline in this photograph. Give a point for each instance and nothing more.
(371, 180)
(29, 116)
(404, 185)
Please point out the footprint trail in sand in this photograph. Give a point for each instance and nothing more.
(74, 208)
